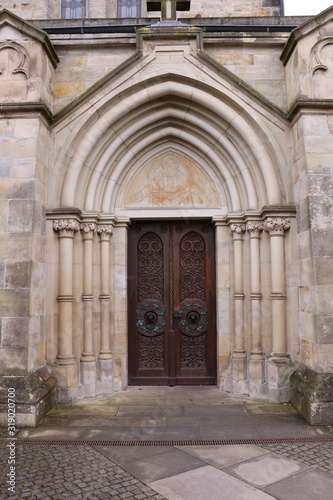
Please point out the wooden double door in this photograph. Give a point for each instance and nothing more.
(171, 284)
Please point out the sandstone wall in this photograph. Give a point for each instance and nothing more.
(51, 9)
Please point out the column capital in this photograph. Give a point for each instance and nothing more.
(254, 227)
(66, 227)
(276, 225)
(105, 231)
(88, 229)
(237, 230)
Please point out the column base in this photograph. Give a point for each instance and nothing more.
(311, 394)
(279, 370)
(67, 378)
(88, 357)
(66, 360)
(107, 355)
(239, 375)
(88, 378)
(256, 375)
(34, 397)
(105, 376)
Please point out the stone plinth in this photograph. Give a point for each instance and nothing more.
(311, 394)
(34, 397)
(105, 376)
(256, 376)
(279, 370)
(239, 375)
(67, 378)
(88, 372)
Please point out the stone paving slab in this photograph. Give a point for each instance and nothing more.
(163, 465)
(207, 483)
(224, 456)
(309, 485)
(266, 470)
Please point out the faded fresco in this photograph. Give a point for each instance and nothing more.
(172, 180)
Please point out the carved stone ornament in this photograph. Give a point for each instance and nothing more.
(172, 180)
(105, 231)
(237, 230)
(18, 62)
(66, 227)
(88, 229)
(276, 225)
(254, 227)
(316, 59)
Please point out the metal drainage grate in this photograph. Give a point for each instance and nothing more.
(172, 442)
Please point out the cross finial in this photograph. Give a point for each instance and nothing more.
(168, 10)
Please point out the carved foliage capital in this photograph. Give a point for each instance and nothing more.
(237, 230)
(66, 227)
(88, 229)
(254, 227)
(276, 225)
(105, 231)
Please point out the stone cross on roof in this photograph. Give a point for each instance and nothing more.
(168, 10)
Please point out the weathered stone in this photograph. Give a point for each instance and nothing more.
(24, 167)
(20, 215)
(324, 329)
(15, 245)
(2, 274)
(14, 303)
(322, 242)
(15, 331)
(14, 360)
(34, 393)
(16, 188)
(17, 274)
(5, 167)
(311, 394)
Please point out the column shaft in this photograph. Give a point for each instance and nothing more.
(66, 229)
(254, 228)
(88, 230)
(105, 232)
(237, 232)
(276, 228)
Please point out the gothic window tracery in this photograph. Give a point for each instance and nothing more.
(129, 8)
(73, 9)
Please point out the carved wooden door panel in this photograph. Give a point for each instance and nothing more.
(171, 308)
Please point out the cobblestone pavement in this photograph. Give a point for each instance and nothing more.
(57, 472)
(317, 455)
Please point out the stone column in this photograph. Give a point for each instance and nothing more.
(279, 359)
(66, 373)
(88, 359)
(256, 361)
(105, 358)
(239, 365)
(222, 243)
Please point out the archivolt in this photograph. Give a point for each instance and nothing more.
(222, 133)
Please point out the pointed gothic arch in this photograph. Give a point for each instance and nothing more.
(110, 143)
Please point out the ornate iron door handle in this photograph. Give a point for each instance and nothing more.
(177, 316)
